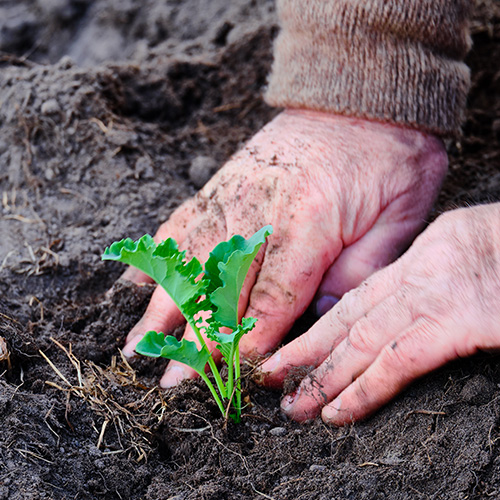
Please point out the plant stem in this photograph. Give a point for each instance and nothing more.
(211, 362)
(230, 374)
(238, 382)
(214, 393)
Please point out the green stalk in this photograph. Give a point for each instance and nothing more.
(238, 382)
(230, 373)
(211, 362)
(214, 393)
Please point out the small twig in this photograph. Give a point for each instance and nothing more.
(201, 429)
(100, 124)
(56, 370)
(50, 428)
(22, 452)
(72, 359)
(20, 218)
(9, 318)
(101, 435)
(35, 299)
(260, 492)
(56, 386)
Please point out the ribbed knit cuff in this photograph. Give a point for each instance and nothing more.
(397, 61)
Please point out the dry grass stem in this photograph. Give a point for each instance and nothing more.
(100, 388)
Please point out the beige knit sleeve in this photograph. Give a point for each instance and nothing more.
(399, 61)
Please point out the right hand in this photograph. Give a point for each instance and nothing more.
(345, 196)
(438, 302)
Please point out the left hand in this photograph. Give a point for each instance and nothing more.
(344, 195)
(438, 302)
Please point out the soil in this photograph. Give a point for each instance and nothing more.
(111, 114)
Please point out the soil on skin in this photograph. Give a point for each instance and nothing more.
(104, 106)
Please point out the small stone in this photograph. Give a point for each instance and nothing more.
(66, 62)
(50, 107)
(201, 170)
(122, 137)
(94, 451)
(317, 468)
(49, 174)
(277, 431)
(144, 168)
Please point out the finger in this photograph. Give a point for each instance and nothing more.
(422, 348)
(314, 346)
(162, 315)
(380, 246)
(285, 286)
(366, 338)
(182, 221)
(135, 276)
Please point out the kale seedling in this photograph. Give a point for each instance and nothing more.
(214, 289)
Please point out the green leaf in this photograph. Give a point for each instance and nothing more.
(157, 345)
(165, 264)
(151, 344)
(225, 272)
(225, 340)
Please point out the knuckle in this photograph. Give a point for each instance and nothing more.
(304, 347)
(363, 389)
(360, 337)
(394, 360)
(348, 299)
(272, 298)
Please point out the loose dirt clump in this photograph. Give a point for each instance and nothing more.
(109, 114)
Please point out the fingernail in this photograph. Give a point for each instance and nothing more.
(331, 411)
(270, 364)
(325, 303)
(129, 349)
(172, 377)
(288, 401)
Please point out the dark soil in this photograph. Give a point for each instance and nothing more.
(92, 151)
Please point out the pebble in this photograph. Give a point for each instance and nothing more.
(144, 168)
(50, 107)
(66, 62)
(201, 170)
(277, 431)
(94, 451)
(49, 174)
(317, 468)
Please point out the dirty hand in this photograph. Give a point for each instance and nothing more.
(438, 302)
(344, 195)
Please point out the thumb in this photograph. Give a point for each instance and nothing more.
(380, 246)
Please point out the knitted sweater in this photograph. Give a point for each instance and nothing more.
(398, 61)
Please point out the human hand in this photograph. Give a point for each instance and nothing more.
(438, 302)
(344, 196)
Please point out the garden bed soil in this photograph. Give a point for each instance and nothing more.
(104, 106)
